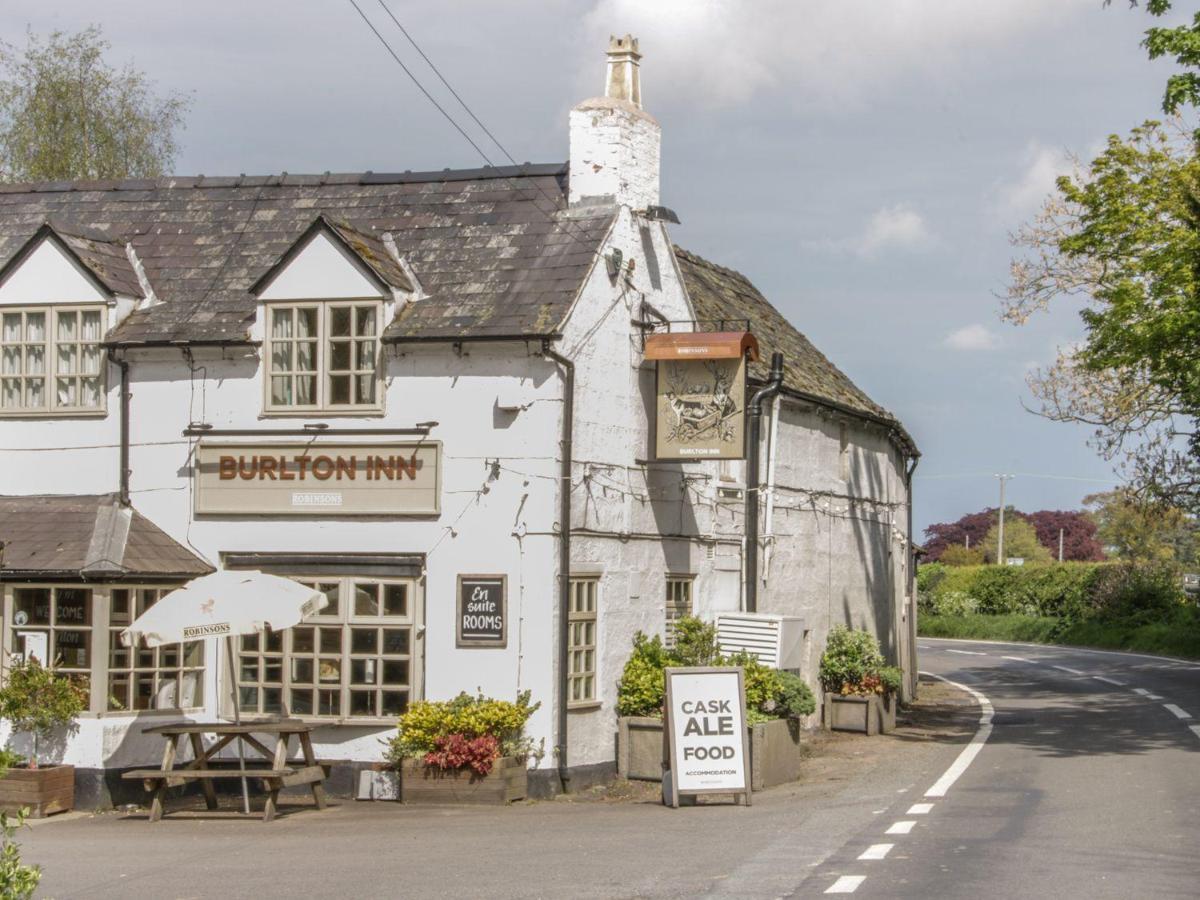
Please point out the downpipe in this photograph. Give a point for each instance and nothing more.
(123, 456)
(773, 386)
(564, 556)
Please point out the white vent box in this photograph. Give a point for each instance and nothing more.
(776, 641)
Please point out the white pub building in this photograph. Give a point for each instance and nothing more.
(443, 398)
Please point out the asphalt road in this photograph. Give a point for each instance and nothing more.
(1083, 788)
(1087, 786)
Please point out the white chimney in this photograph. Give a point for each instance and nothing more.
(614, 142)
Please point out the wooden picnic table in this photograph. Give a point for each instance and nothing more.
(273, 769)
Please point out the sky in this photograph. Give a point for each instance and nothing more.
(862, 162)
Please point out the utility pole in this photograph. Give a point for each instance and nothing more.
(1060, 544)
(1000, 558)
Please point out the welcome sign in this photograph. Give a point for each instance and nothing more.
(708, 742)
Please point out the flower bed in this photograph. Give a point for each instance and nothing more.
(860, 690)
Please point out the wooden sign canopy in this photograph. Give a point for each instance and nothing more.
(702, 345)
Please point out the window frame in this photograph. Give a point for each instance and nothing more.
(671, 609)
(345, 619)
(324, 355)
(583, 618)
(51, 407)
(155, 671)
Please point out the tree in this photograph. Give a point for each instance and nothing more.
(1181, 42)
(1020, 540)
(974, 526)
(1142, 531)
(961, 555)
(1123, 234)
(65, 113)
(1078, 531)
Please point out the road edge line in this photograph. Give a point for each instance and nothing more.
(969, 752)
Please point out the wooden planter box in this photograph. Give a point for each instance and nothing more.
(43, 791)
(775, 750)
(870, 714)
(428, 785)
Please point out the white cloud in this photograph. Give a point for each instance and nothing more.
(972, 337)
(894, 227)
(722, 52)
(1043, 165)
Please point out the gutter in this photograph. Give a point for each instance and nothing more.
(123, 456)
(564, 556)
(773, 386)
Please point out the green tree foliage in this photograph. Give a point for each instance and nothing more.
(1123, 234)
(1020, 541)
(66, 113)
(36, 700)
(960, 555)
(1142, 531)
(1181, 43)
(17, 880)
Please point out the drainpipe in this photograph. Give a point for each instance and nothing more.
(912, 579)
(772, 387)
(769, 512)
(564, 555)
(123, 475)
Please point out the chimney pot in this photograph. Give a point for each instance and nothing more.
(624, 80)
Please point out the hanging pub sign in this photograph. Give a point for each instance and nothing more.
(314, 478)
(482, 611)
(707, 738)
(700, 399)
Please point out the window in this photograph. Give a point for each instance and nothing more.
(678, 605)
(581, 644)
(323, 356)
(56, 622)
(50, 359)
(167, 677)
(353, 659)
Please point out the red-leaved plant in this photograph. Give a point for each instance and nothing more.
(457, 751)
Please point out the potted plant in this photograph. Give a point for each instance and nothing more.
(860, 689)
(776, 703)
(36, 700)
(465, 750)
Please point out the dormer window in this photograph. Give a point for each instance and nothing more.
(323, 309)
(323, 356)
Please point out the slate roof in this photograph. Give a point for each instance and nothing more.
(492, 248)
(88, 536)
(720, 293)
(106, 261)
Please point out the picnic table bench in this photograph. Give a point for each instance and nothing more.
(274, 769)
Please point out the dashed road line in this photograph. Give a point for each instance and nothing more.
(969, 752)
(919, 809)
(1109, 680)
(1019, 659)
(902, 827)
(966, 652)
(1145, 693)
(1176, 711)
(1067, 669)
(876, 851)
(1195, 730)
(847, 884)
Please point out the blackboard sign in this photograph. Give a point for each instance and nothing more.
(482, 619)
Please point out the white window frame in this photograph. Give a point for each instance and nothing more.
(678, 602)
(50, 405)
(324, 356)
(197, 668)
(582, 679)
(345, 620)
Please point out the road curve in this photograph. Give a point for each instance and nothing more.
(1087, 786)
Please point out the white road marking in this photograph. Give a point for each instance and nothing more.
(919, 809)
(1109, 680)
(1116, 654)
(847, 884)
(876, 851)
(1017, 659)
(1195, 729)
(1176, 711)
(969, 752)
(1067, 669)
(1145, 693)
(966, 652)
(901, 827)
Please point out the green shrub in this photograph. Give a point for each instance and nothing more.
(17, 880)
(640, 690)
(929, 575)
(952, 603)
(36, 700)
(1144, 592)
(853, 664)
(695, 643)
(796, 700)
(8, 759)
(428, 722)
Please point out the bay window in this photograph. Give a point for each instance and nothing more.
(51, 360)
(322, 356)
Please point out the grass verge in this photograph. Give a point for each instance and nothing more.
(1179, 636)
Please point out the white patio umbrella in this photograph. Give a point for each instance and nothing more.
(225, 604)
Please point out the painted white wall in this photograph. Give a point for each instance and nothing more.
(48, 275)
(321, 270)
